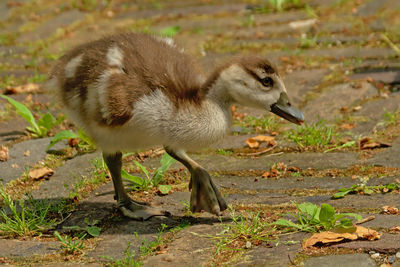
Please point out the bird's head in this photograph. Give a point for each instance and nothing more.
(253, 81)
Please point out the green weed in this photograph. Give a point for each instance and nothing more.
(85, 143)
(37, 78)
(170, 31)
(364, 189)
(146, 182)
(280, 5)
(26, 217)
(307, 41)
(90, 228)
(129, 259)
(391, 118)
(264, 124)
(311, 218)
(39, 128)
(244, 232)
(71, 245)
(317, 135)
(249, 21)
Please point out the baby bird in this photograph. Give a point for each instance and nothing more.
(134, 91)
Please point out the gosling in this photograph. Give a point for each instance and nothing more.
(134, 91)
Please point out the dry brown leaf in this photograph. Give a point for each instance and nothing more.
(395, 230)
(265, 138)
(390, 210)
(368, 143)
(15, 165)
(25, 88)
(37, 174)
(333, 237)
(27, 153)
(252, 143)
(347, 126)
(3, 153)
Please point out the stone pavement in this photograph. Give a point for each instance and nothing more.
(337, 67)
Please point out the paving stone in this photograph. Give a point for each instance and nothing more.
(344, 95)
(118, 235)
(50, 26)
(190, 247)
(370, 8)
(373, 112)
(61, 183)
(382, 221)
(37, 148)
(355, 202)
(27, 248)
(11, 130)
(318, 161)
(279, 255)
(388, 243)
(183, 11)
(347, 260)
(388, 157)
(98, 206)
(298, 83)
(384, 75)
(249, 183)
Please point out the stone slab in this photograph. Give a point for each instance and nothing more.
(27, 248)
(319, 161)
(346, 260)
(191, 247)
(62, 182)
(37, 149)
(279, 255)
(373, 112)
(259, 183)
(299, 82)
(389, 157)
(11, 130)
(388, 243)
(334, 98)
(50, 26)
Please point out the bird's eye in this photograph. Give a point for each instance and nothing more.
(267, 82)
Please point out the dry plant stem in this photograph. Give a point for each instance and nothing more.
(370, 218)
(257, 153)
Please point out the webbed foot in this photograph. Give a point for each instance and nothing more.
(205, 195)
(138, 211)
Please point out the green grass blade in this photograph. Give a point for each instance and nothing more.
(66, 134)
(23, 111)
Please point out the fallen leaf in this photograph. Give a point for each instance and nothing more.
(15, 165)
(27, 153)
(3, 153)
(347, 126)
(37, 174)
(25, 88)
(368, 143)
(252, 143)
(395, 230)
(265, 138)
(390, 210)
(334, 237)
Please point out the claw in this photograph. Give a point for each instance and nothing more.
(205, 195)
(140, 212)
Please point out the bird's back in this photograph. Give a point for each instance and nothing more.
(101, 81)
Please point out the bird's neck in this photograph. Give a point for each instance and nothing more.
(214, 90)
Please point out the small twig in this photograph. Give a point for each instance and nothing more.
(370, 218)
(291, 262)
(257, 153)
(391, 44)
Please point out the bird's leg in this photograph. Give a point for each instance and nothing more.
(205, 195)
(130, 208)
